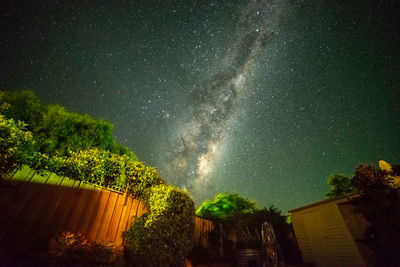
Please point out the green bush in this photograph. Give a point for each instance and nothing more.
(16, 145)
(102, 168)
(164, 236)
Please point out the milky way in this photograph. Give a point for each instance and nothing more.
(215, 102)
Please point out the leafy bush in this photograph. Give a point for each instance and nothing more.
(164, 236)
(16, 145)
(74, 249)
(102, 168)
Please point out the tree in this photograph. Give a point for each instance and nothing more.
(21, 106)
(225, 206)
(57, 130)
(60, 130)
(379, 202)
(339, 185)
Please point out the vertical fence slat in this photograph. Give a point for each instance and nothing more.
(116, 216)
(91, 209)
(66, 200)
(58, 182)
(101, 234)
(123, 220)
(132, 213)
(96, 220)
(75, 216)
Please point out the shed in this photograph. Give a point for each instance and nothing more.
(331, 233)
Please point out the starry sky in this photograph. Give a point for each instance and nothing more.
(262, 98)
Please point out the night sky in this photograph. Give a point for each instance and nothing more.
(262, 98)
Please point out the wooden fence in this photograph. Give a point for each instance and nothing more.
(202, 230)
(34, 208)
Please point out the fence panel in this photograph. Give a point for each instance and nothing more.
(35, 208)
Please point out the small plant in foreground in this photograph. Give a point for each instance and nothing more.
(75, 249)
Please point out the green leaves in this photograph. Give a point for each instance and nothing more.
(165, 235)
(16, 145)
(102, 168)
(67, 143)
(21, 106)
(339, 185)
(57, 130)
(225, 206)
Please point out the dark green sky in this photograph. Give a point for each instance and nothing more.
(266, 99)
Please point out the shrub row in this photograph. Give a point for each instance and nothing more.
(102, 168)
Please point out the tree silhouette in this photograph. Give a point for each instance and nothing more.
(380, 205)
(339, 185)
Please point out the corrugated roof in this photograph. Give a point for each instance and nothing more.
(348, 196)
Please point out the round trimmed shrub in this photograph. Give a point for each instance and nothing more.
(164, 236)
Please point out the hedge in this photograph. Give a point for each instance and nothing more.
(102, 168)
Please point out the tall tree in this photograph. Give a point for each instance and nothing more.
(57, 130)
(21, 106)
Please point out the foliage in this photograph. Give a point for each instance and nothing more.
(379, 203)
(16, 145)
(21, 106)
(225, 206)
(61, 131)
(164, 236)
(101, 167)
(70, 249)
(67, 143)
(339, 185)
(62, 134)
(57, 130)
